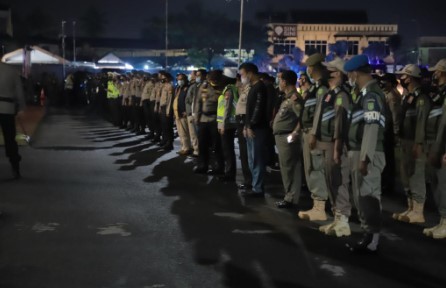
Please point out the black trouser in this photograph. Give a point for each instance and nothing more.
(227, 142)
(247, 176)
(148, 108)
(7, 122)
(114, 111)
(208, 141)
(167, 127)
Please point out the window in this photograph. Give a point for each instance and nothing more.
(353, 47)
(282, 47)
(382, 44)
(315, 46)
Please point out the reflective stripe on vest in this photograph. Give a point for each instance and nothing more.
(310, 102)
(357, 116)
(435, 112)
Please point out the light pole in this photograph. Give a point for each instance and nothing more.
(167, 30)
(74, 41)
(63, 47)
(240, 32)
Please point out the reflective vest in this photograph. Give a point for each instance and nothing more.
(433, 121)
(357, 120)
(309, 108)
(112, 90)
(328, 115)
(221, 108)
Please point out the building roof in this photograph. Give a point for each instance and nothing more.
(317, 16)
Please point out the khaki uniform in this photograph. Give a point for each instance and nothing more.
(286, 121)
(321, 155)
(190, 105)
(366, 135)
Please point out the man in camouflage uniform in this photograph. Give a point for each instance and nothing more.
(415, 113)
(366, 151)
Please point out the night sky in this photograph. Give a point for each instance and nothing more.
(125, 20)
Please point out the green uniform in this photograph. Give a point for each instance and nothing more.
(415, 113)
(439, 149)
(341, 172)
(317, 169)
(365, 141)
(286, 121)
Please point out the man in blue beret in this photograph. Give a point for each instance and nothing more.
(366, 150)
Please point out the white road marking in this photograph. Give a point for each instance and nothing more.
(337, 271)
(116, 229)
(40, 227)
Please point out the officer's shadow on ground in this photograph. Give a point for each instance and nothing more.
(139, 156)
(228, 235)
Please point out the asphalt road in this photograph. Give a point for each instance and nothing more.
(99, 207)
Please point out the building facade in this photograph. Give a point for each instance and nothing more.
(431, 50)
(310, 38)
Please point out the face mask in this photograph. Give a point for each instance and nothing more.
(277, 81)
(352, 82)
(244, 80)
(163, 80)
(180, 83)
(435, 80)
(198, 79)
(309, 77)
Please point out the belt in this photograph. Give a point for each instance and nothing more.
(306, 130)
(4, 99)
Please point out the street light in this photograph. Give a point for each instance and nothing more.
(167, 30)
(241, 31)
(74, 41)
(63, 47)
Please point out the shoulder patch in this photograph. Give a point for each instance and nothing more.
(371, 105)
(339, 101)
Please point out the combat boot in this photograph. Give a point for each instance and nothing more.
(440, 232)
(429, 231)
(317, 213)
(340, 228)
(397, 216)
(325, 228)
(416, 215)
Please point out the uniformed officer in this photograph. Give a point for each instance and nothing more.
(415, 113)
(287, 132)
(335, 130)
(166, 111)
(208, 137)
(314, 155)
(388, 83)
(179, 110)
(366, 151)
(147, 104)
(126, 103)
(12, 103)
(438, 153)
(112, 97)
(227, 125)
(190, 100)
(157, 113)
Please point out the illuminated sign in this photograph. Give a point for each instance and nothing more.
(285, 30)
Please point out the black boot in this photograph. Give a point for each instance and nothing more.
(16, 170)
(366, 245)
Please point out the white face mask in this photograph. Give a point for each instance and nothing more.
(180, 83)
(198, 79)
(309, 77)
(351, 82)
(245, 80)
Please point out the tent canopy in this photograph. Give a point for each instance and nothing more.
(111, 61)
(38, 56)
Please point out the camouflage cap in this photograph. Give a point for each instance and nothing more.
(314, 59)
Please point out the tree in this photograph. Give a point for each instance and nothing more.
(93, 22)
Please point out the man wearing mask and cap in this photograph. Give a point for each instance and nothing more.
(334, 132)
(190, 98)
(438, 154)
(415, 112)
(366, 151)
(179, 110)
(314, 156)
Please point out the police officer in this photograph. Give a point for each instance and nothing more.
(166, 111)
(208, 137)
(366, 151)
(157, 113)
(336, 131)
(415, 113)
(148, 104)
(12, 102)
(190, 100)
(438, 153)
(287, 132)
(314, 155)
(112, 98)
(227, 125)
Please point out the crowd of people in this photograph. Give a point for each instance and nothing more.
(335, 127)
